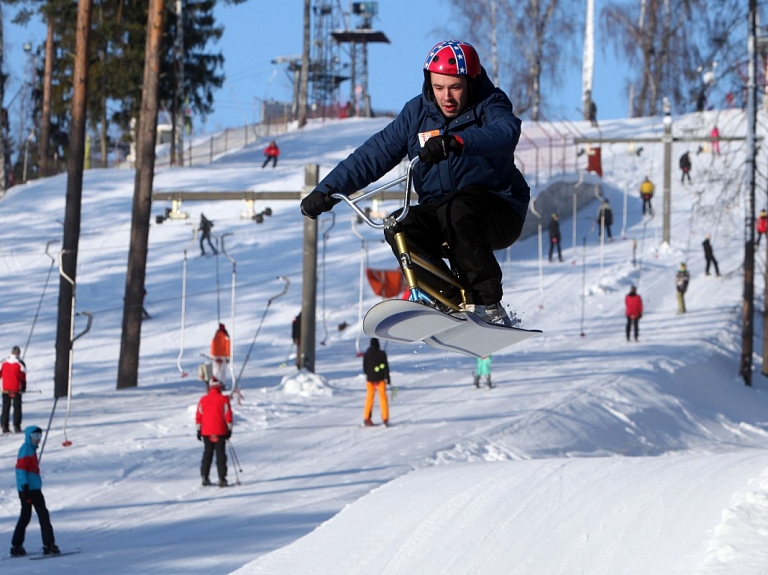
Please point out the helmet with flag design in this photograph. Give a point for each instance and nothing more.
(453, 57)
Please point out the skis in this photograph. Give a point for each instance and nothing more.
(410, 322)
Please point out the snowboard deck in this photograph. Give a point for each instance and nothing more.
(64, 553)
(403, 321)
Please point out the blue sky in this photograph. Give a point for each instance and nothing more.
(257, 32)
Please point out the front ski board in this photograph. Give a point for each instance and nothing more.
(404, 321)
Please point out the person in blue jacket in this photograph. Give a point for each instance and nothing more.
(471, 195)
(30, 485)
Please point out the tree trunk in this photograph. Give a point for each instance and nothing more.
(62, 372)
(3, 119)
(128, 366)
(45, 123)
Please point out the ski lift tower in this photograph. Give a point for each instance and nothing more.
(325, 63)
(359, 38)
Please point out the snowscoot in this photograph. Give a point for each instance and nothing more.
(428, 315)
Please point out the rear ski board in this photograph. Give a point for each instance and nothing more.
(404, 321)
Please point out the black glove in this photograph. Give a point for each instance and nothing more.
(199, 435)
(25, 494)
(228, 434)
(316, 203)
(437, 149)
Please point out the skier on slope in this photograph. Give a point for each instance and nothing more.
(214, 426)
(220, 351)
(30, 488)
(471, 195)
(376, 369)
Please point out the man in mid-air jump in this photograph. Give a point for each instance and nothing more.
(471, 195)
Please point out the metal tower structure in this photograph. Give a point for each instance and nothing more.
(358, 39)
(325, 61)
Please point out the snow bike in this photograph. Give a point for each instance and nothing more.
(428, 315)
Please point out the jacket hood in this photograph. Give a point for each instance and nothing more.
(28, 434)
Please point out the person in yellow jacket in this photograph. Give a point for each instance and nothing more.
(220, 351)
(376, 368)
(646, 192)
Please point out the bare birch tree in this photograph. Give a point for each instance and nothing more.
(532, 40)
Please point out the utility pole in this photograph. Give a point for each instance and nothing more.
(588, 64)
(304, 83)
(74, 198)
(748, 305)
(667, 140)
(177, 145)
(306, 349)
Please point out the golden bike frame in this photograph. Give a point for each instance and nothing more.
(409, 261)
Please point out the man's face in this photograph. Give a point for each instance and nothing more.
(450, 93)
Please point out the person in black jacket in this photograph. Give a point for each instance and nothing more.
(205, 234)
(605, 219)
(554, 237)
(685, 167)
(709, 255)
(376, 368)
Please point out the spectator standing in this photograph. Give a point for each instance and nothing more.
(214, 427)
(685, 167)
(205, 234)
(13, 372)
(681, 282)
(271, 152)
(634, 311)
(296, 336)
(554, 237)
(30, 488)
(605, 219)
(376, 368)
(761, 226)
(646, 192)
(709, 255)
(715, 134)
(220, 351)
(483, 369)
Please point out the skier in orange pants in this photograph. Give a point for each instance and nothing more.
(376, 368)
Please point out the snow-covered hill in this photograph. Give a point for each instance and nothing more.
(591, 455)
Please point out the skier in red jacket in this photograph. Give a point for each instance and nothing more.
(13, 372)
(761, 225)
(634, 305)
(271, 152)
(214, 427)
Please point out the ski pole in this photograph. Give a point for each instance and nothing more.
(234, 460)
(47, 429)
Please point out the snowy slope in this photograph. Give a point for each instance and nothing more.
(591, 452)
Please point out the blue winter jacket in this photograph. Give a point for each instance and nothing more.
(27, 467)
(490, 132)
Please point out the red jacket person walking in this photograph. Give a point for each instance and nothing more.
(214, 427)
(634, 305)
(13, 372)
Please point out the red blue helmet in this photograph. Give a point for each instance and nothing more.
(453, 57)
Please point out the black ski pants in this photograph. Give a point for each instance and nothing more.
(9, 400)
(473, 223)
(38, 502)
(209, 448)
(633, 322)
(207, 236)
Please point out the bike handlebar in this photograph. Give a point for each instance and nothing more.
(388, 221)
